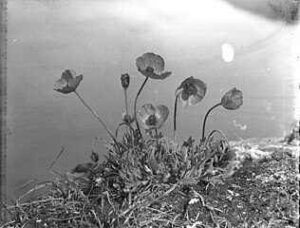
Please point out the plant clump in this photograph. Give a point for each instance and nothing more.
(150, 180)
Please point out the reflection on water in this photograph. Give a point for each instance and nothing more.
(101, 40)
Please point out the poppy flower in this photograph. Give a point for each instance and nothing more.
(153, 117)
(68, 82)
(191, 91)
(152, 66)
(233, 99)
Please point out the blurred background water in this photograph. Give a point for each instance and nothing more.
(101, 40)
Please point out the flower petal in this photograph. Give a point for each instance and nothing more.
(145, 125)
(185, 103)
(149, 109)
(201, 87)
(152, 60)
(162, 113)
(67, 83)
(140, 63)
(185, 82)
(192, 90)
(60, 84)
(146, 121)
(143, 119)
(153, 75)
(148, 112)
(144, 113)
(68, 75)
(232, 99)
(74, 83)
(184, 95)
(164, 75)
(195, 99)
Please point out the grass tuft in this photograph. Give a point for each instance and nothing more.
(156, 182)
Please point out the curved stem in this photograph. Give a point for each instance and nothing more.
(205, 118)
(212, 133)
(135, 103)
(175, 115)
(156, 136)
(96, 115)
(120, 125)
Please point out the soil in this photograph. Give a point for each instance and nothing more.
(261, 190)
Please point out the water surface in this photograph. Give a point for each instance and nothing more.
(101, 40)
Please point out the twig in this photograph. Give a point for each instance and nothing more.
(57, 157)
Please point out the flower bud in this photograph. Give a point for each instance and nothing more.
(94, 157)
(233, 99)
(127, 118)
(125, 80)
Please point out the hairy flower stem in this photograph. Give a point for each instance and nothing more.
(123, 124)
(156, 136)
(126, 101)
(175, 115)
(96, 115)
(212, 133)
(205, 118)
(135, 103)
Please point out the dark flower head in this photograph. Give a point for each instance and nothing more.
(233, 99)
(153, 117)
(83, 168)
(191, 91)
(127, 118)
(125, 80)
(68, 82)
(152, 66)
(94, 157)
